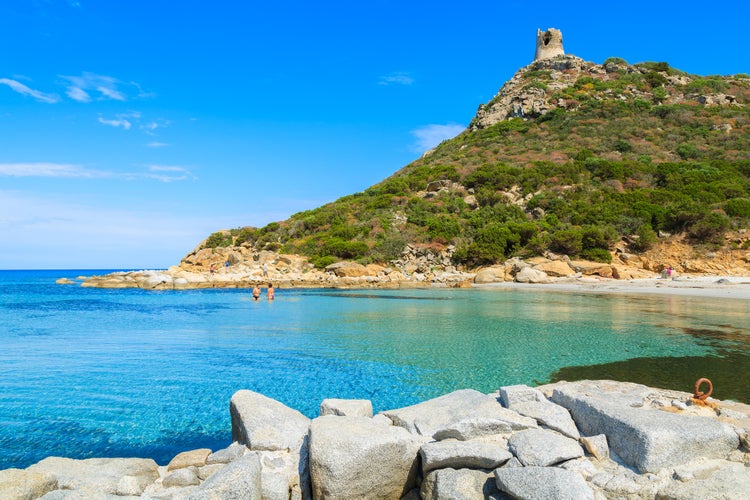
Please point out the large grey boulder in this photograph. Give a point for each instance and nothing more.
(354, 457)
(239, 480)
(263, 423)
(18, 484)
(463, 484)
(462, 455)
(266, 425)
(549, 415)
(98, 475)
(646, 439)
(542, 483)
(542, 447)
(448, 411)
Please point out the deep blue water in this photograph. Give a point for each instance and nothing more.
(91, 372)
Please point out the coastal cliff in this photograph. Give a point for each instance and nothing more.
(586, 439)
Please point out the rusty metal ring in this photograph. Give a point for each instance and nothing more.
(697, 394)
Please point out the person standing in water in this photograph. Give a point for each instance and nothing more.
(256, 292)
(270, 291)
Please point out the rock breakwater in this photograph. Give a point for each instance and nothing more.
(587, 439)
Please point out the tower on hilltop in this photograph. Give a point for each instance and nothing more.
(548, 44)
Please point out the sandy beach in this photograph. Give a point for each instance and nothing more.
(723, 287)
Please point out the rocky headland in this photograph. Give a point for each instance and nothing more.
(577, 440)
(244, 267)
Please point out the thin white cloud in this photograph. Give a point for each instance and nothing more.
(25, 90)
(80, 88)
(59, 170)
(429, 136)
(167, 173)
(397, 78)
(121, 120)
(157, 144)
(162, 173)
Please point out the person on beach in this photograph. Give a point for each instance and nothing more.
(270, 291)
(256, 292)
(226, 266)
(265, 270)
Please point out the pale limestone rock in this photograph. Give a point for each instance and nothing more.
(540, 447)
(346, 407)
(473, 427)
(542, 483)
(725, 480)
(556, 268)
(208, 470)
(229, 454)
(463, 484)
(17, 484)
(262, 423)
(549, 415)
(646, 439)
(588, 268)
(100, 475)
(596, 445)
(529, 275)
(346, 269)
(180, 478)
(461, 455)
(511, 394)
(354, 457)
(446, 411)
(490, 275)
(237, 480)
(193, 458)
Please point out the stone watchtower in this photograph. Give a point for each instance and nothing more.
(548, 44)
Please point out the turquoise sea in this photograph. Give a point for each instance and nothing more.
(90, 372)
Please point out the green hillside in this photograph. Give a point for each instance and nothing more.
(570, 157)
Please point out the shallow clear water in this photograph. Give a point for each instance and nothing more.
(90, 372)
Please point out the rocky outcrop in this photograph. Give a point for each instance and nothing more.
(637, 442)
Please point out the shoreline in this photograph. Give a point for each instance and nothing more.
(706, 286)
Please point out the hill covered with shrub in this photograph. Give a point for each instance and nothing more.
(570, 157)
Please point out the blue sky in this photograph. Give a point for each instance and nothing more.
(130, 130)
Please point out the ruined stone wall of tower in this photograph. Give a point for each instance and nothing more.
(548, 44)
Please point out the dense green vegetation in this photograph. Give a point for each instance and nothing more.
(623, 159)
